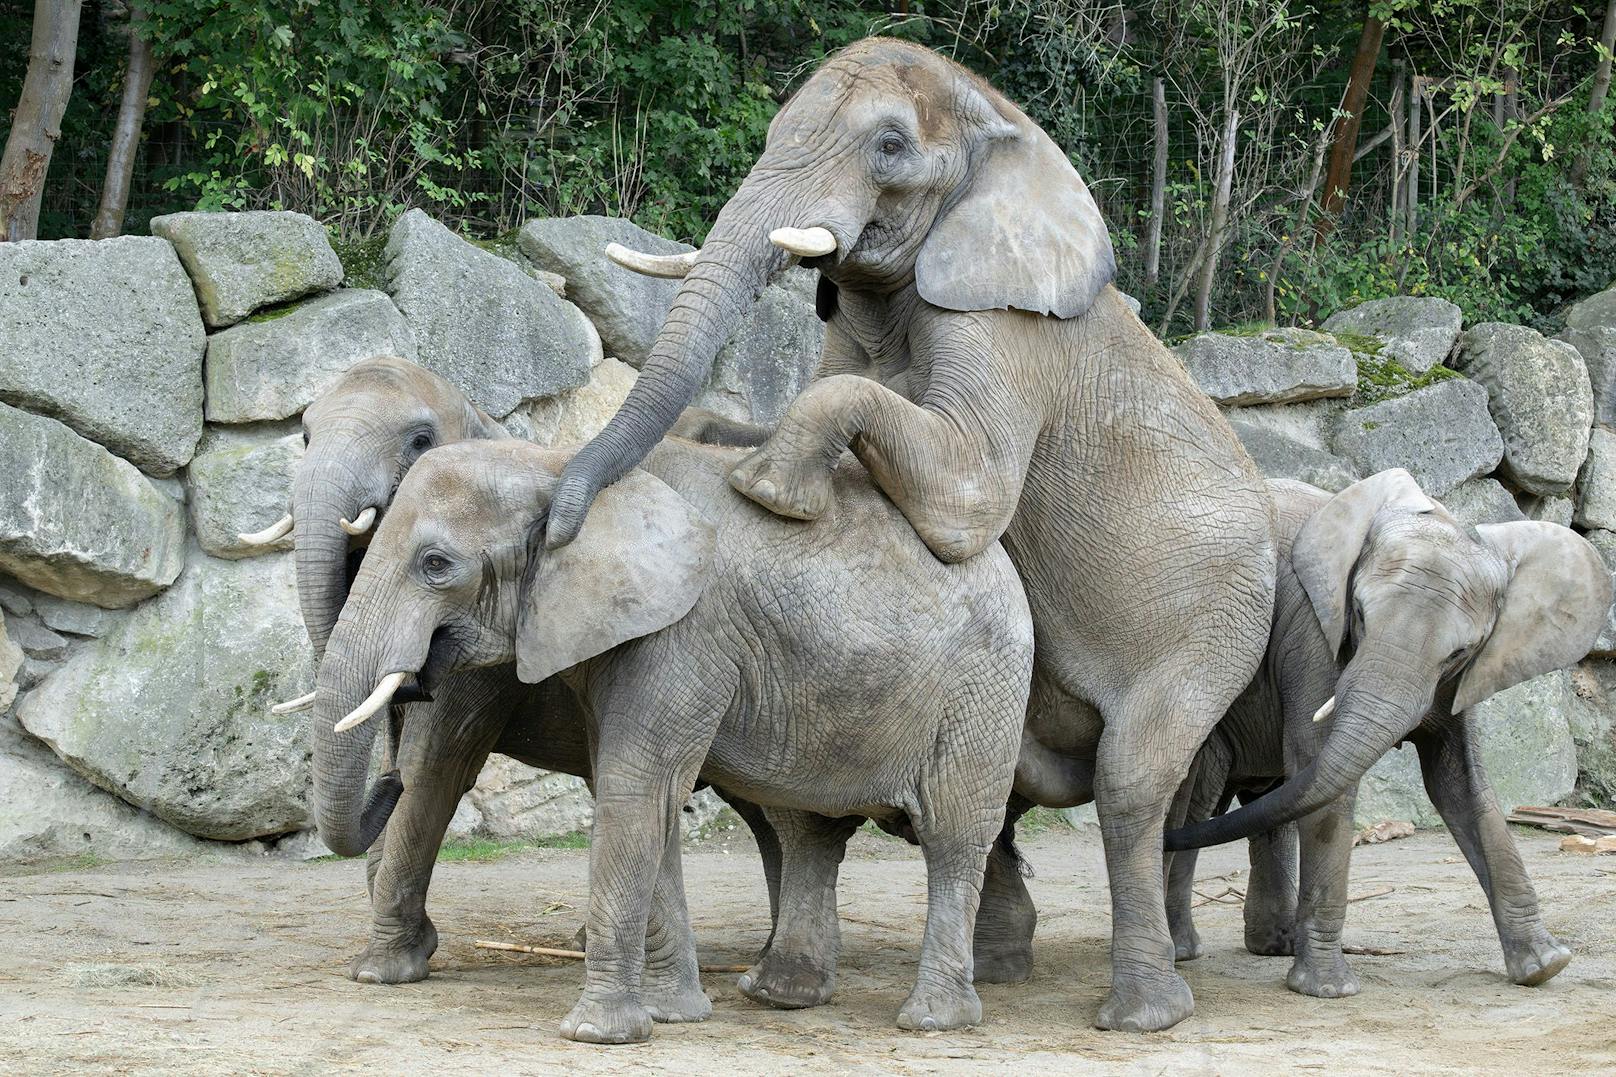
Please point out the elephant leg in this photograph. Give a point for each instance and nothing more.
(373, 855)
(768, 844)
(799, 967)
(1459, 789)
(1270, 911)
(670, 986)
(1001, 951)
(1207, 798)
(1319, 968)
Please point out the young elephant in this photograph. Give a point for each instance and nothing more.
(1409, 618)
(824, 672)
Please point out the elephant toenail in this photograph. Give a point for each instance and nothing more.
(765, 488)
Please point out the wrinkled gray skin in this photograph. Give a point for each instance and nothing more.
(362, 436)
(979, 363)
(826, 672)
(1408, 617)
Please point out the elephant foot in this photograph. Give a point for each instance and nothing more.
(673, 1005)
(1536, 961)
(799, 489)
(1186, 943)
(1141, 1004)
(618, 1018)
(790, 982)
(938, 1008)
(1271, 940)
(1009, 963)
(391, 963)
(1329, 977)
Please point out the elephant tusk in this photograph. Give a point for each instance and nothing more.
(292, 706)
(652, 265)
(361, 523)
(273, 533)
(1324, 712)
(373, 703)
(804, 242)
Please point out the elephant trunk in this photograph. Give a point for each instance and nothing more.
(326, 491)
(1379, 701)
(731, 270)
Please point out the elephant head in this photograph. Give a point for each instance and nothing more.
(1436, 617)
(891, 166)
(361, 436)
(457, 576)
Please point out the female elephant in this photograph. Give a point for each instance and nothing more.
(362, 436)
(979, 363)
(826, 672)
(1409, 618)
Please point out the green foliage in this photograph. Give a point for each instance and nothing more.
(485, 850)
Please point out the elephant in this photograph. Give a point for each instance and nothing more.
(361, 436)
(981, 365)
(827, 672)
(1393, 619)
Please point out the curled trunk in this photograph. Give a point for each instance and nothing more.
(323, 495)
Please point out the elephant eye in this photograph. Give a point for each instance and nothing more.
(891, 145)
(434, 564)
(421, 442)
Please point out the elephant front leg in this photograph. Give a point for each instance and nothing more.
(1270, 912)
(799, 967)
(670, 986)
(1319, 968)
(1459, 789)
(1006, 919)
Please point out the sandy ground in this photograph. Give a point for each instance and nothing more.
(240, 969)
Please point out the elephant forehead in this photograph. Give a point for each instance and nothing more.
(1440, 554)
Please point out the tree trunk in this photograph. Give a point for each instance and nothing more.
(1158, 183)
(37, 122)
(1413, 188)
(1339, 175)
(1220, 220)
(1601, 87)
(125, 135)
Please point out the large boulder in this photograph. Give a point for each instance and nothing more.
(79, 523)
(1596, 483)
(1552, 510)
(1525, 744)
(273, 368)
(10, 663)
(512, 801)
(171, 709)
(1275, 366)
(125, 368)
(1591, 329)
(1593, 727)
(1605, 542)
(242, 261)
(480, 322)
(1482, 501)
(1540, 400)
(575, 416)
(1443, 434)
(1417, 331)
(241, 482)
(771, 355)
(1279, 456)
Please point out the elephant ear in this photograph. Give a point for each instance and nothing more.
(1024, 233)
(1553, 610)
(1328, 545)
(639, 564)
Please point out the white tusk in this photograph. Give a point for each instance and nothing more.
(652, 265)
(292, 706)
(1325, 711)
(273, 533)
(375, 702)
(804, 242)
(361, 523)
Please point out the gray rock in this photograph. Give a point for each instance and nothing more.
(772, 354)
(482, 323)
(1417, 331)
(1442, 434)
(1525, 744)
(275, 368)
(36, 640)
(1605, 542)
(516, 801)
(241, 483)
(34, 670)
(1540, 401)
(15, 598)
(1593, 728)
(125, 368)
(171, 710)
(1276, 366)
(242, 261)
(1482, 501)
(1591, 329)
(1133, 304)
(76, 521)
(10, 663)
(1596, 483)
(1553, 510)
(576, 415)
(1281, 457)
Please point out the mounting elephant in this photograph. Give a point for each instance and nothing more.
(979, 363)
(361, 437)
(1392, 620)
(825, 672)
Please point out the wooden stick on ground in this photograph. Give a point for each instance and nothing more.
(575, 955)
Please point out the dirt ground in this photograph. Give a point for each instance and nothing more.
(232, 967)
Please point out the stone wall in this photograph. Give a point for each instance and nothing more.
(150, 389)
